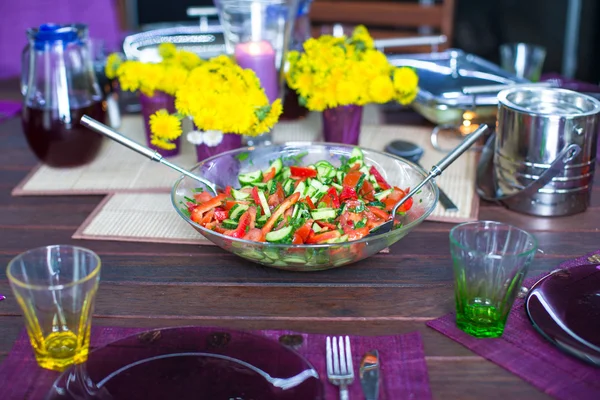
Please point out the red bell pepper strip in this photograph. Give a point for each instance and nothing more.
(240, 231)
(200, 209)
(303, 172)
(287, 203)
(327, 225)
(379, 212)
(323, 237)
(255, 196)
(335, 199)
(348, 193)
(309, 202)
(269, 175)
(379, 179)
(228, 190)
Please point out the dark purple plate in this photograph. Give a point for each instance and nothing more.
(191, 363)
(565, 308)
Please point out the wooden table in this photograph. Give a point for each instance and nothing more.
(157, 285)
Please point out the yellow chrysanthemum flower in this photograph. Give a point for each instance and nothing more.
(335, 71)
(167, 50)
(164, 128)
(113, 61)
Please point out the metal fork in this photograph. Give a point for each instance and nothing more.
(340, 371)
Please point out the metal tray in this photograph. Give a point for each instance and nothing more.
(442, 77)
(205, 41)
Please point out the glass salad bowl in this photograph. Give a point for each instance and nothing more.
(223, 170)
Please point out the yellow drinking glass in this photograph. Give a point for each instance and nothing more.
(56, 287)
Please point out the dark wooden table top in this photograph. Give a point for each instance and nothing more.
(156, 285)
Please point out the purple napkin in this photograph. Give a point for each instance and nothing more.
(403, 367)
(524, 352)
(9, 109)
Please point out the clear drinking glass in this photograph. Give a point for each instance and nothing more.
(490, 261)
(523, 59)
(56, 288)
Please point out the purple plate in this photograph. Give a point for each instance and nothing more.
(191, 363)
(564, 307)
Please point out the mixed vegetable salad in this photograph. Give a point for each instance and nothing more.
(311, 204)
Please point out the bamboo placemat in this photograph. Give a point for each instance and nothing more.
(149, 217)
(118, 169)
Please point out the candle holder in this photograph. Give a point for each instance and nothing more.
(257, 34)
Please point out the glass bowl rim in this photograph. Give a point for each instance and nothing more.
(417, 221)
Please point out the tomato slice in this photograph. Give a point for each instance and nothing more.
(202, 197)
(351, 179)
(304, 230)
(323, 237)
(358, 233)
(212, 203)
(255, 234)
(335, 199)
(367, 191)
(303, 172)
(220, 214)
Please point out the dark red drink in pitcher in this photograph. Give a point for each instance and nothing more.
(60, 87)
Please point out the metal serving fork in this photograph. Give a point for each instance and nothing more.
(339, 364)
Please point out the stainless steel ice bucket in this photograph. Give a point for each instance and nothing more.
(534, 127)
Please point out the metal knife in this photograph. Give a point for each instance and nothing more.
(445, 201)
(369, 375)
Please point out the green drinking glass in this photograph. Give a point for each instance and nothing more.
(490, 261)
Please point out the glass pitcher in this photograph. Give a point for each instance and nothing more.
(59, 86)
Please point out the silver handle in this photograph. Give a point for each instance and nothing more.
(437, 169)
(411, 41)
(143, 150)
(344, 392)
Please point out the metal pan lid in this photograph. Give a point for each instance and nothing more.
(551, 102)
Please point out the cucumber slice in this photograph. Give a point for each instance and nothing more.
(263, 203)
(288, 187)
(237, 210)
(383, 194)
(250, 178)
(277, 164)
(339, 188)
(323, 213)
(310, 191)
(316, 184)
(260, 185)
(294, 259)
(261, 221)
(229, 224)
(279, 235)
(238, 195)
(356, 156)
(300, 188)
(316, 227)
(286, 173)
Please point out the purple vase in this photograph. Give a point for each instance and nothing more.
(229, 142)
(342, 124)
(150, 105)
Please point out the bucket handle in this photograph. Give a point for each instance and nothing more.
(485, 181)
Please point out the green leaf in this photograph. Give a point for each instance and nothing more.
(242, 156)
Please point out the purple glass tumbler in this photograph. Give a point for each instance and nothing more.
(342, 124)
(150, 105)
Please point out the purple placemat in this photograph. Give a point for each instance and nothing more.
(9, 109)
(524, 352)
(403, 367)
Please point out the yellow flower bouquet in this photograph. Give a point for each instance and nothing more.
(338, 75)
(157, 84)
(224, 101)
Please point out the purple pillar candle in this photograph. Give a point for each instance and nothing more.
(260, 58)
